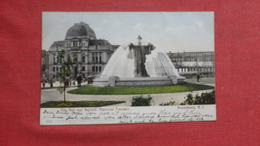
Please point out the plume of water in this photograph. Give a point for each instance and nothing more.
(121, 64)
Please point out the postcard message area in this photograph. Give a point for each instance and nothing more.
(120, 115)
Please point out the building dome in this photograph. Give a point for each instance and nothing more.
(80, 30)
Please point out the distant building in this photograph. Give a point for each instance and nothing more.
(189, 64)
(45, 65)
(80, 43)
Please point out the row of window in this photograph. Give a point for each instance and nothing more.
(76, 44)
(94, 68)
(54, 69)
(96, 57)
(192, 59)
(195, 69)
(200, 54)
(80, 44)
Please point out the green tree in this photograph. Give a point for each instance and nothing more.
(66, 65)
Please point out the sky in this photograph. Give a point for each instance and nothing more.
(169, 31)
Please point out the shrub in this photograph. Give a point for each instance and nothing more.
(204, 98)
(141, 101)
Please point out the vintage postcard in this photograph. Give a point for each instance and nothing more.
(127, 67)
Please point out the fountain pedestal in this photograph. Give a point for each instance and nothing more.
(115, 81)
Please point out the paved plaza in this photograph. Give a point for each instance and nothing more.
(54, 95)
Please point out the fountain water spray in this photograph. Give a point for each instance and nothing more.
(139, 65)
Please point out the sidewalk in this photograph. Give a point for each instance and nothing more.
(54, 95)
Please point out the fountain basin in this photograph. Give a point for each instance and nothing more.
(115, 81)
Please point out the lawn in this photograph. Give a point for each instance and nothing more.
(52, 104)
(90, 90)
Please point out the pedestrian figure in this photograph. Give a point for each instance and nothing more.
(198, 77)
(51, 83)
(43, 81)
(90, 80)
(79, 79)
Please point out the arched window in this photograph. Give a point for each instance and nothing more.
(100, 59)
(75, 44)
(93, 57)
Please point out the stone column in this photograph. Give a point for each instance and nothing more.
(79, 57)
(79, 68)
(98, 57)
(51, 58)
(105, 57)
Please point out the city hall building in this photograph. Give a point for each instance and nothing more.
(81, 44)
(190, 64)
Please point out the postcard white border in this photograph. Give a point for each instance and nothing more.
(121, 115)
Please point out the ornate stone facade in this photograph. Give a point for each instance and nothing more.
(80, 43)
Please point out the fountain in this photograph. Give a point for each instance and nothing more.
(138, 65)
